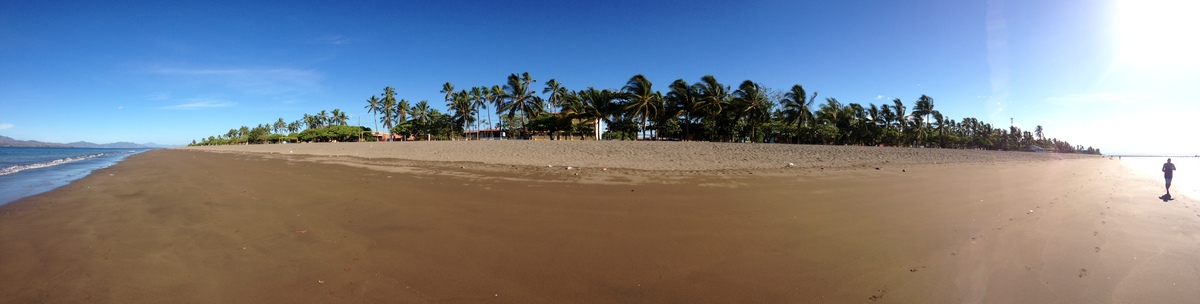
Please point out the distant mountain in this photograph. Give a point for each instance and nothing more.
(9, 142)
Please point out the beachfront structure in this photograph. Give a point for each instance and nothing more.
(492, 133)
(383, 136)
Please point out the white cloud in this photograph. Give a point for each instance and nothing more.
(6, 126)
(878, 97)
(199, 103)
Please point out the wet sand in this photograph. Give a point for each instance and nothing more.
(196, 226)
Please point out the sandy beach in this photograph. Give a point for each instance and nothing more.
(630, 222)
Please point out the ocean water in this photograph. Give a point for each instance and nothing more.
(29, 171)
(1186, 180)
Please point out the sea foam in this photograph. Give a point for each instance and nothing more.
(18, 168)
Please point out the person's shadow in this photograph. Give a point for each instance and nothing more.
(1166, 197)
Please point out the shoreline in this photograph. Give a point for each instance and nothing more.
(196, 226)
(46, 174)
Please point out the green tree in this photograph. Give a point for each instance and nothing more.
(373, 107)
(338, 117)
(753, 106)
(641, 100)
(519, 97)
(798, 107)
(901, 119)
(557, 93)
(923, 109)
(461, 108)
(422, 117)
(280, 126)
(683, 101)
(712, 97)
(322, 119)
(478, 101)
(388, 108)
(598, 106)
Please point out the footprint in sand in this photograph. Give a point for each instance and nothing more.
(878, 295)
(1082, 272)
(1095, 233)
(1097, 249)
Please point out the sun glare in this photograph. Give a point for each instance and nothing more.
(1158, 34)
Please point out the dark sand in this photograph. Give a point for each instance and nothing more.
(178, 226)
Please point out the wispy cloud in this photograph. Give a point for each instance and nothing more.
(275, 81)
(1093, 98)
(199, 103)
(6, 126)
(878, 97)
(332, 39)
(159, 96)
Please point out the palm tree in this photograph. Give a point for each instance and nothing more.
(373, 108)
(1038, 131)
(573, 108)
(422, 114)
(519, 98)
(558, 96)
(712, 95)
(309, 121)
(477, 101)
(798, 107)
(497, 102)
(461, 108)
(322, 119)
(448, 89)
(924, 108)
(339, 117)
(599, 106)
(244, 132)
(832, 113)
(388, 108)
(901, 119)
(640, 99)
(557, 93)
(682, 99)
(402, 110)
(752, 105)
(940, 122)
(280, 125)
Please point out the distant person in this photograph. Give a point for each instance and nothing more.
(1168, 172)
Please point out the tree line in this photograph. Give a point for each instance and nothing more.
(706, 110)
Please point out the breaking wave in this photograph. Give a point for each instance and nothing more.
(18, 168)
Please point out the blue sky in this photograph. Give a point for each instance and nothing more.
(1118, 75)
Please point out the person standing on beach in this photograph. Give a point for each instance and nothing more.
(1168, 172)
